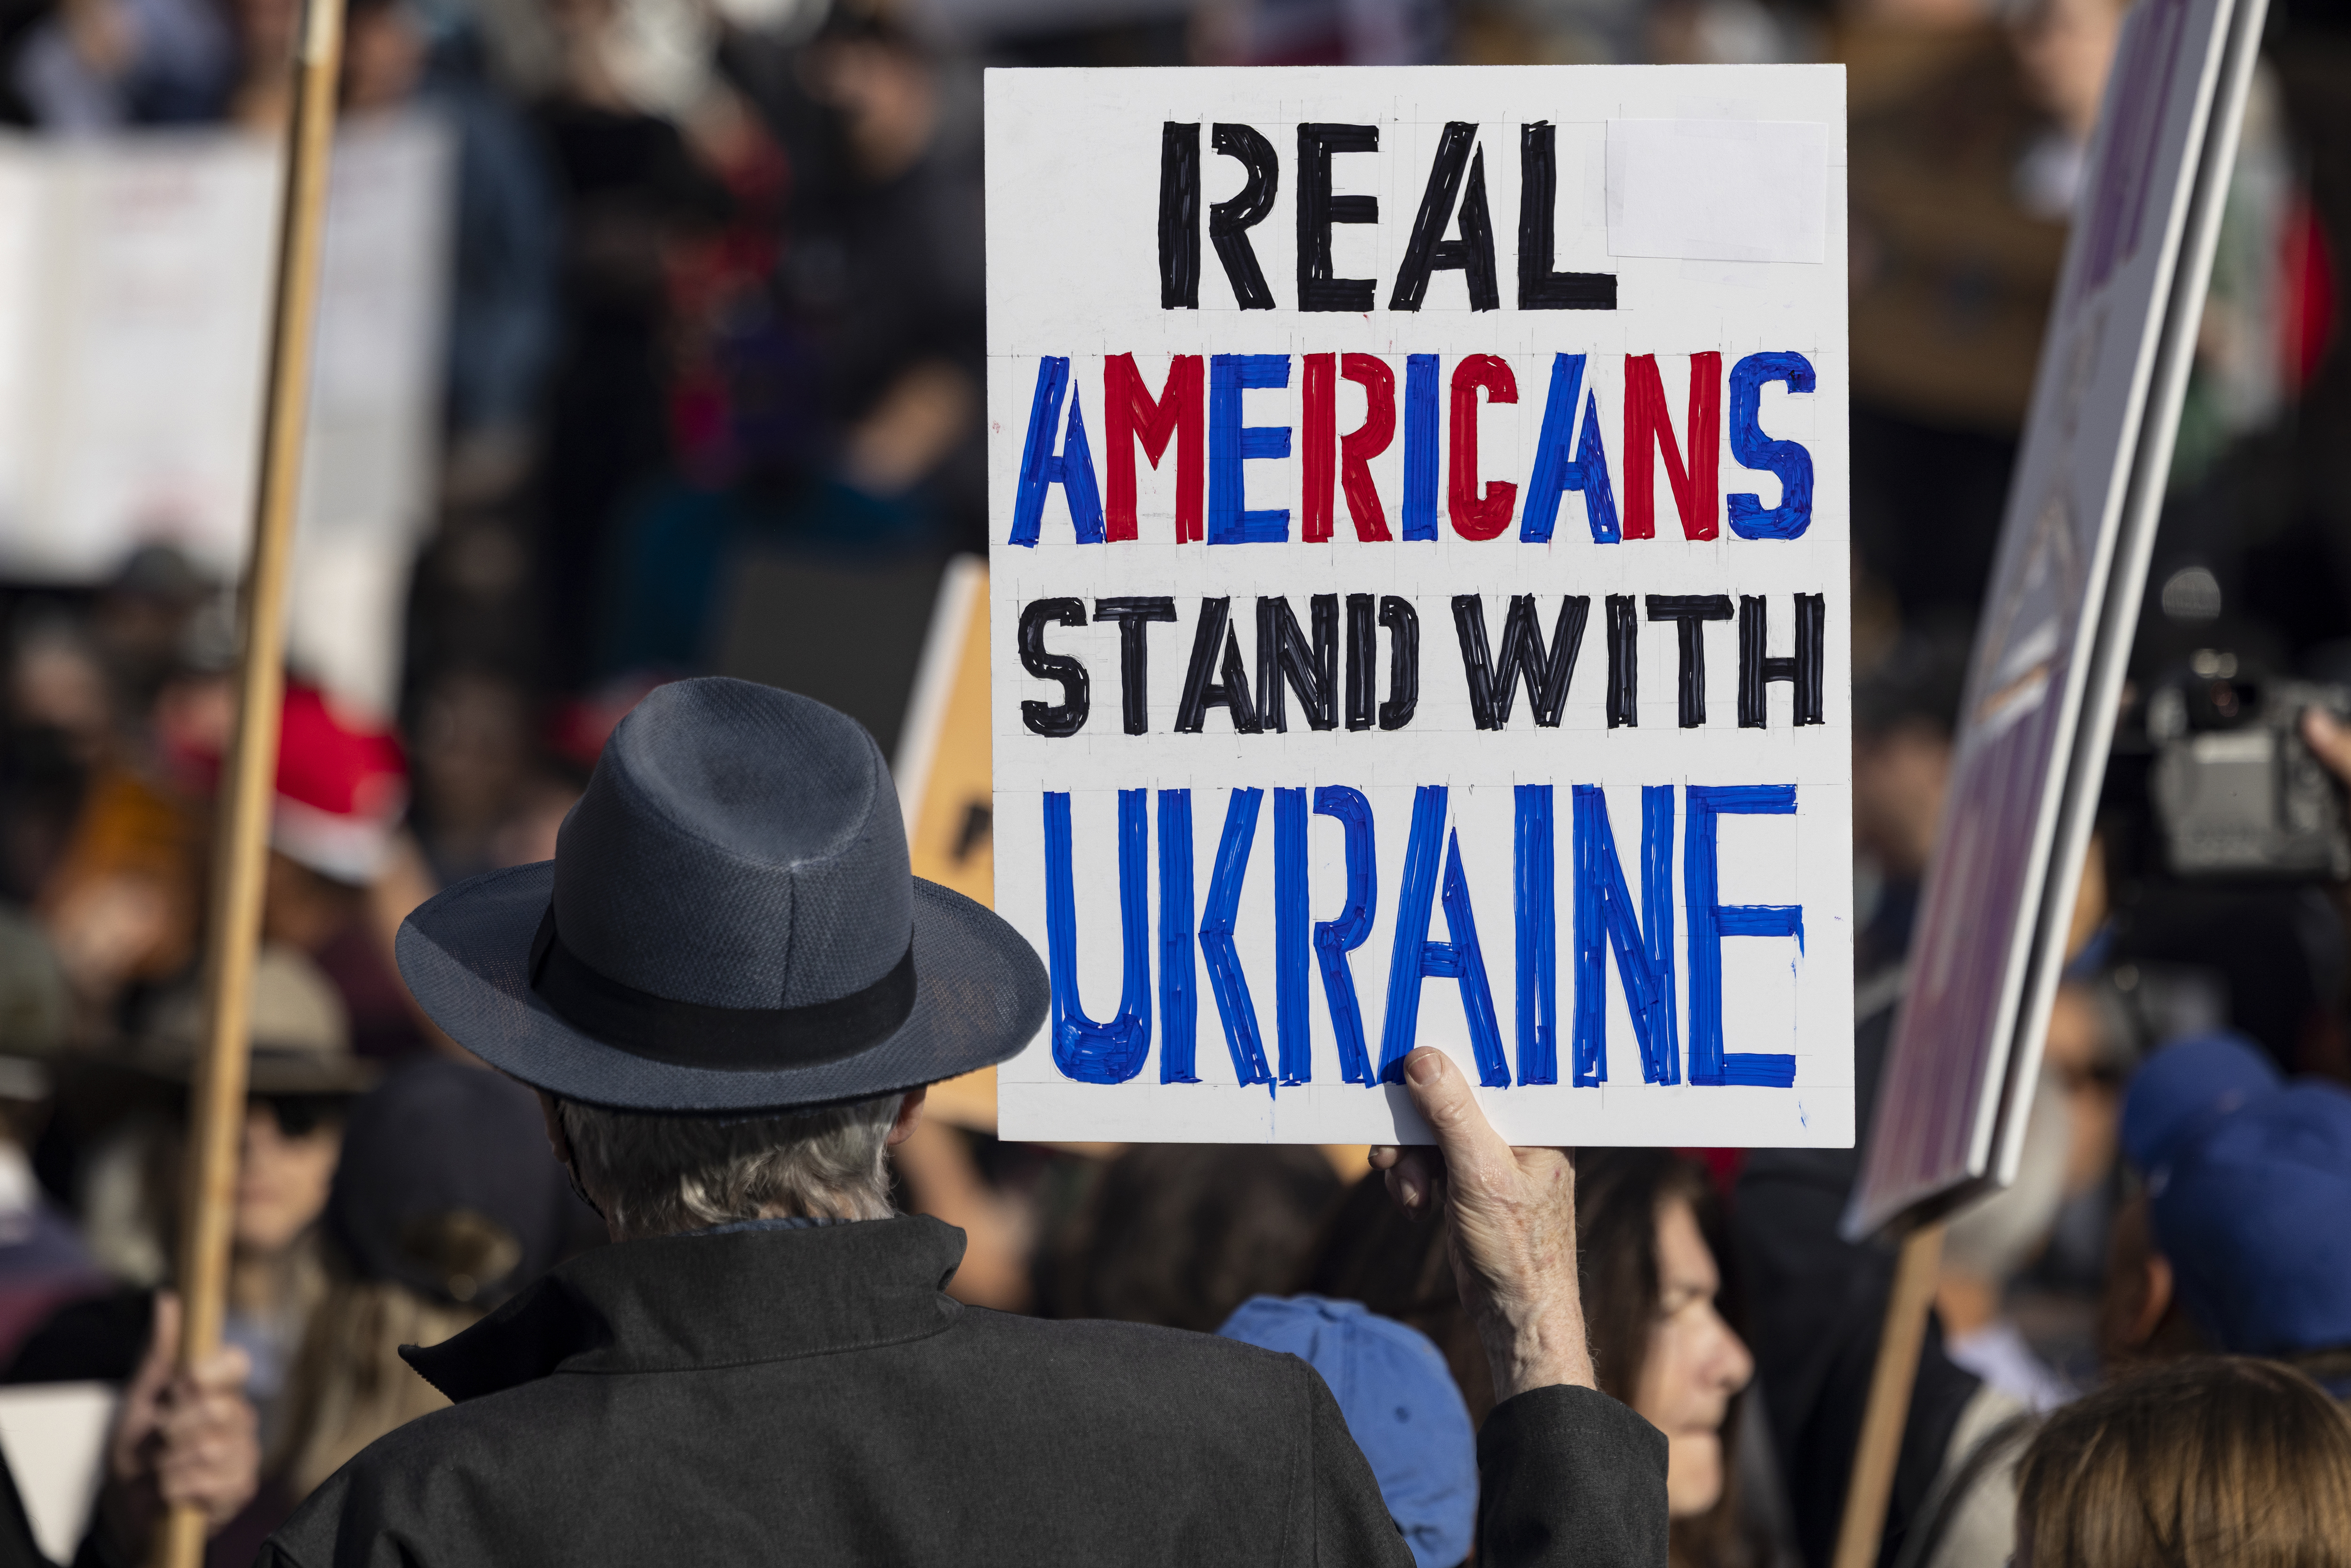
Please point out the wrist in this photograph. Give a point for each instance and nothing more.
(1539, 1346)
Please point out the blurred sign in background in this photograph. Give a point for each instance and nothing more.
(134, 288)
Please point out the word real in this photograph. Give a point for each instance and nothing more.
(1198, 409)
(1455, 198)
(1608, 920)
(1293, 663)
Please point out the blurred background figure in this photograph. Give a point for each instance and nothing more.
(445, 1202)
(2235, 1243)
(303, 1078)
(42, 1261)
(1182, 1234)
(2190, 1463)
(1401, 1406)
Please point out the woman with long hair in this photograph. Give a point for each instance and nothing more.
(1648, 1237)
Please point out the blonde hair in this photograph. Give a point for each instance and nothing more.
(349, 1385)
(2208, 1461)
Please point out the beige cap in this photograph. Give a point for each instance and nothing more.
(301, 1032)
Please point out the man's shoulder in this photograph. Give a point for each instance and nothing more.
(1147, 1344)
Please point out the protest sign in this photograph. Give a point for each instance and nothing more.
(2046, 674)
(1418, 597)
(134, 309)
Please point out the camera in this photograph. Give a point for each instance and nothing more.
(2233, 790)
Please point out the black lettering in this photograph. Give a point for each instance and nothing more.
(1624, 662)
(1363, 649)
(1179, 216)
(1428, 251)
(1284, 661)
(1403, 623)
(1069, 715)
(1540, 288)
(1317, 209)
(1201, 691)
(1690, 612)
(1493, 686)
(1133, 616)
(1229, 222)
(1803, 669)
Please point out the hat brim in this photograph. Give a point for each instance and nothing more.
(269, 1069)
(980, 996)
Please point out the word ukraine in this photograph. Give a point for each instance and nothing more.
(1608, 920)
(1198, 410)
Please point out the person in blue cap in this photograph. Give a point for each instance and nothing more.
(1401, 1406)
(730, 994)
(2241, 1241)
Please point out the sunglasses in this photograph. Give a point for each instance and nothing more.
(299, 1116)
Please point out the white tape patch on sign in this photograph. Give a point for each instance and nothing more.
(1416, 618)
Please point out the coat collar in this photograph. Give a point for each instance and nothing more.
(686, 1301)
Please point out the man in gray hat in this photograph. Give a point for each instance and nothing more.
(730, 993)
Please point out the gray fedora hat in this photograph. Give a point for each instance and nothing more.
(728, 926)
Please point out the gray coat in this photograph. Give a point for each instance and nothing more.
(811, 1396)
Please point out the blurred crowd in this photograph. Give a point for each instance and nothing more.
(717, 297)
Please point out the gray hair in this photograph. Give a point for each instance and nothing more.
(653, 1175)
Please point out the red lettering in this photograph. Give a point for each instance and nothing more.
(1697, 484)
(1320, 456)
(1357, 448)
(1477, 516)
(1132, 414)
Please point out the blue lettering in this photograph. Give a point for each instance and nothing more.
(1073, 470)
(1643, 948)
(1335, 939)
(1711, 922)
(1231, 443)
(1420, 446)
(1417, 957)
(1088, 1052)
(1749, 519)
(1556, 473)
(1226, 981)
(1180, 994)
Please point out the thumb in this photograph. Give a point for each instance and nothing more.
(163, 1352)
(142, 1399)
(1475, 1155)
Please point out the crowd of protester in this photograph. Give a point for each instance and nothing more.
(717, 294)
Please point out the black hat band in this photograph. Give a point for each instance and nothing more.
(695, 1034)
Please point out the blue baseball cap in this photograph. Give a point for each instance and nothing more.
(1401, 1406)
(2247, 1181)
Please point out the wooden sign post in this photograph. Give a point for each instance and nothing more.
(2046, 677)
(216, 1107)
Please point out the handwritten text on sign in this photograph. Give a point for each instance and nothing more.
(1360, 441)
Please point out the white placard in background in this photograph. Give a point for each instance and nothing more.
(54, 1435)
(1540, 558)
(135, 277)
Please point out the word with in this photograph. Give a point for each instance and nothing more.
(1201, 414)
(1295, 662)
(1608, 920)
(1455, 198)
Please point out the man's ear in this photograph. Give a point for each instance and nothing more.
(2156, 1287)
(910, 1116)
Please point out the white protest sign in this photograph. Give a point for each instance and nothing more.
(1418, 599)
(134, 310)
(2059, 613)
